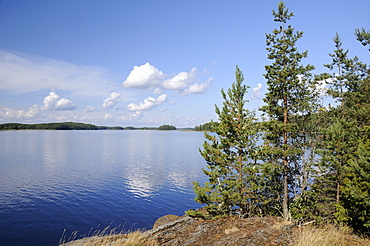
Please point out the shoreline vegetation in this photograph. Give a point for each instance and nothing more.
(230, 230)
(81, 126)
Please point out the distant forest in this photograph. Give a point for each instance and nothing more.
(207, 127)
(56, 126)
(76, 126)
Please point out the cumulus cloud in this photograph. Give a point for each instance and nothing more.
(144, 77)
(54, 102)
(158, 91)
(33, 112)
(50, 101)
(198, 88)
(8, 113)
(64, 104)
(132, 116)
(148, 103)
(112, 100)
(149, 77)
(256, 91)
(181, 80)
(89, 109)
(20, 73)
(13, 114)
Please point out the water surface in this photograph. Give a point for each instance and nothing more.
(51, 181)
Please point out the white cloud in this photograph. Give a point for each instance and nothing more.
(148, 103)
(33, 112)
(161, 99)
(111, 101)
(158, 91)
(107, 116)
(256, 91)
(181, 80)
(64, 104)
(54, 102)
(20, 73)
(144, 77)
(50, 101)
(198, 88)
(149, 77)
(12, 114)
(89, 109)
(133, 116)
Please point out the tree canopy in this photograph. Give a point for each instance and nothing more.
(305, 161)
(56, 126)
(167, 128)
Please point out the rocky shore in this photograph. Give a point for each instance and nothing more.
(172, 230)
(231, 231)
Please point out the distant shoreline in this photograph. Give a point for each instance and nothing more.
(74, 126)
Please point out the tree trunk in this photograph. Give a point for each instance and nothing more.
(286, 164)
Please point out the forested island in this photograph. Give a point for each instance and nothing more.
(76, 126)
(56, 126)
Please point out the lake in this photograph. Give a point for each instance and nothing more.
(59, 182)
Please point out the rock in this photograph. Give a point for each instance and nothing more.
(164, 220)
(231, 231)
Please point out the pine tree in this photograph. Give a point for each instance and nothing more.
(363, 36)
(232, 157)
(345, 147)
(356, 182)
(289, 94)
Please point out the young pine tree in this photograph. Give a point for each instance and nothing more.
(363, 36)
(346, 151)
(289, 94)
(232, 157)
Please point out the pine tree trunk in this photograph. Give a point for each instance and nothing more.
(286, 165)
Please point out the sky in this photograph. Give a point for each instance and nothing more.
(151, 62)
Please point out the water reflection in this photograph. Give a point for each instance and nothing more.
(144, 163)
(55, 150)
(56, 180)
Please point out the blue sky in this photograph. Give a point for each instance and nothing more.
(148, 62)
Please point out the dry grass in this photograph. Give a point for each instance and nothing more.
(105, 238)
(231, 230)
(280, 223)
(329, 235)
(309, 235)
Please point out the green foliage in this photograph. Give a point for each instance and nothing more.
(130, 128)
(291, 92)
(315, 162)
(341, 180)
(357, 187)
(206, 127)
(232, 157)
(363, 36)
(167, 128)
(197, 214)
(56, 126)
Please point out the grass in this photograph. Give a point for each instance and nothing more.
(110, 237)
(329, 235)
(309, 235)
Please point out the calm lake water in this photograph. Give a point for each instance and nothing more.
(55, 181)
